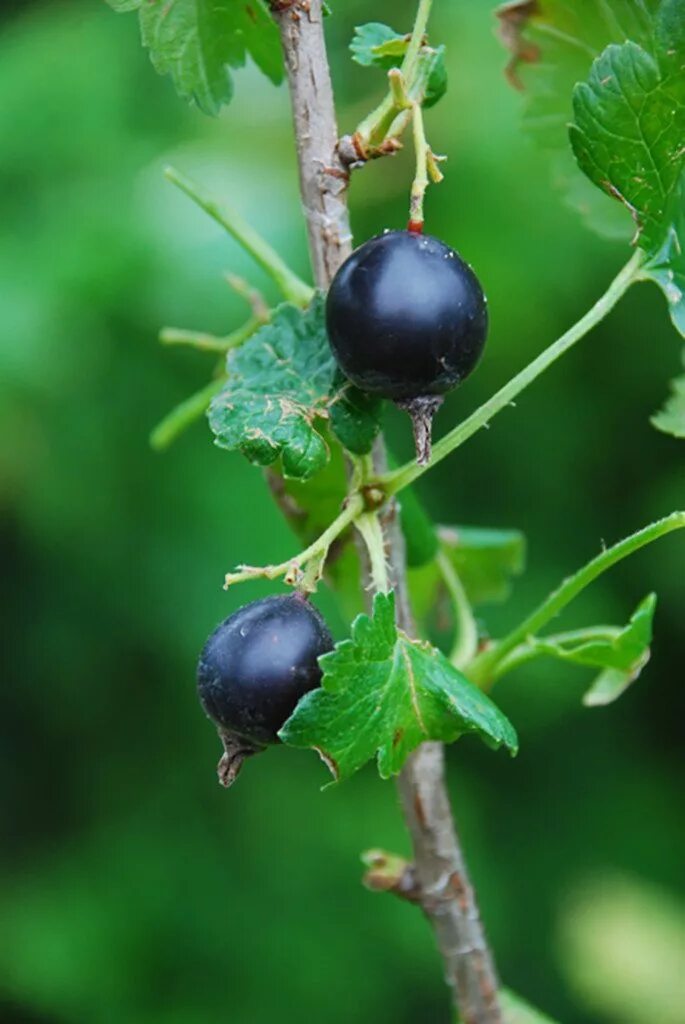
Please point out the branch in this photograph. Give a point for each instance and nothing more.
(446, 894)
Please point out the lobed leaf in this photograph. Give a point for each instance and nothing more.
(383, 694)
(378, 45)
(196, 42)
(282, 386)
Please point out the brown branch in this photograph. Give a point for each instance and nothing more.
(444, 890)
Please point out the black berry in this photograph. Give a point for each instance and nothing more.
(253, 670)
(407, 319)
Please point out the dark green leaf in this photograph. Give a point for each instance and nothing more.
(384, 694)
(485, 560)
(671, 419)
(196, 41)
(667, 266)
(437, 77)
(628, 136)
(621, 654)
(378, 45)
(280, 383)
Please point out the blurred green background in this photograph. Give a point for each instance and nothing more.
(132, 888)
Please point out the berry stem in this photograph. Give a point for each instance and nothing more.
(420, 183)
(211, 342)
(398, 479)
(483, 668)
(370, 528)
(378, 125)
(294, 569)
(292, 287)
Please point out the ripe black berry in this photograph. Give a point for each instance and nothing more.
(253, 670)
(407, 319)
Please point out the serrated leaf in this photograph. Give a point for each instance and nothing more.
(281, 384)
(383, 694)
(621, 654)
(628, 136)
(197, 41)
(671, 419)
(667, 266)
(553, 44)
(485, 560)
(378, 45)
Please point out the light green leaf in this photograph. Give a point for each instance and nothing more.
(378, 45)
(671, 419)
(621, 654)
(485, 560)
(280, 383)
(383, 694)
(197, 41)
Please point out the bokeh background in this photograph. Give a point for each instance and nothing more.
(132, 888)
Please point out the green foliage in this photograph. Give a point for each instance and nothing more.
(485, 560)
(671, 419)
(553, 44)
(279, 383)
(384, 694)
(378, 45)
(621, 654)
(628, 139)
(197, 41)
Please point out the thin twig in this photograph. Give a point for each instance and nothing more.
(446, 894)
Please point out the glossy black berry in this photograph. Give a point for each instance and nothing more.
(407, 318)
(253, 670)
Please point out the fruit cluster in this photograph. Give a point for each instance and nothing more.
(406, 320)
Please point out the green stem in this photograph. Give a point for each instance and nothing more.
(211, 342)
(530, 650)
(398, 479)
(466, 643)
(294, 568)
(374, 128)
(293, 288)
(483, 667)
(417, 37)
(420, 183)
(371, 531)
(184, 415)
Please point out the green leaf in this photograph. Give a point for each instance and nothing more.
(378, 45)
(553, 44)
(667, 266)
(485, 560)
(437, 77)
(281, 384)
(383, 694)
(671, 419)
(628, 136)
(621, 654)
(197, 41)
